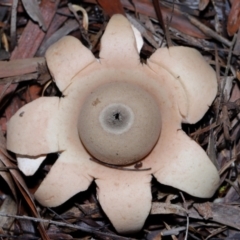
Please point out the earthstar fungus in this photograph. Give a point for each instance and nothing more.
(118, 111)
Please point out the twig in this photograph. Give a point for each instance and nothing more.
(187, 215)
(208, 31)
(173, 231)
(226, 166)
(8, 168)
(205, 129)
(73, 226)
(7, 236)
(20, 78)
(14, 24)
(225, 75)
(168, 23)
(120, 168)
(142, 29)
(215, 232)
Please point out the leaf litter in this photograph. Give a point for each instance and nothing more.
(211, 26)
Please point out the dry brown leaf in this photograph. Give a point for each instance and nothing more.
(24, 190)
(33, 11)
(178, 20)
(234, 18)
(57, 22)
(27, 196)
(33, 92)
(8, 206)
(235, 93)
(20, 66)
(203, 4)
(221, 213)
(26, 49)
(167, 208)
(204, 209)
(33, 34)
(65, 29)
(111, 7)
(5, 174)
(7, 177)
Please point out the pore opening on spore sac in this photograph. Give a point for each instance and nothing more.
(126, 121)
(116, 118)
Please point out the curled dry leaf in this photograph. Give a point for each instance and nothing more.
(84, 13)
(34, 12)
(234, 18)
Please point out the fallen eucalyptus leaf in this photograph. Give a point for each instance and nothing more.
(33, 11)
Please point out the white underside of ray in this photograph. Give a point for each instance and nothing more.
(29, 165)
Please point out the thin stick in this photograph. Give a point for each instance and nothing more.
(225, 74)
(73, 226)
(14, 24)
(187, 216)
(208, 31)
(120, 168)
